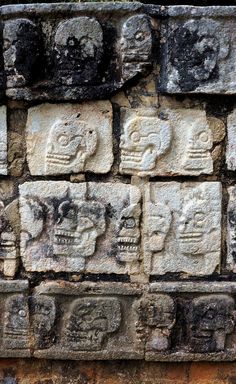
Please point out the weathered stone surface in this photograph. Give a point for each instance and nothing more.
(182, 227)
(231, 230)
(86, 51)
(69, 138)
(14, 317)
(92, 321)
(165, 142)
(92, 227)
(231, 141)
(3, 141)
(199, 50)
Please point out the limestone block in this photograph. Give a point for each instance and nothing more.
(3, 141)
(14, 318)
(231, 230)
(167, 142)
(199, 49)
(86, 227)
(231, 141)
(182, 227)
(86, 321)
(69, 138)
(87, 51)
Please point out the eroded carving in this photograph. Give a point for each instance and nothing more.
(78, 50)
(21, 36)
(136, 45)
(182, 227)
(71, 142)
(211, 319)
(3, 141)
(8, 253)
(157, 314)
(16, 323)
(91, 321)
(144, 140)
(43, 316)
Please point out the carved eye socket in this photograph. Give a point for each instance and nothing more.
(63, 140)
(199, 218)
(22, 313)
(129, 223)
(135, 137)
(203, 136)
(139, 36)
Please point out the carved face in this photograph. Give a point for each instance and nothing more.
(129, 233)
(199, 144)
(43, 312)
(192, 226)
(78, 227)
(16, 322)
(78, 50)
(7, 236)
(212, 318)
(143, 141)
(90, 321)
(20, 37)
(71, 143)
(136, 40)
(159, 221)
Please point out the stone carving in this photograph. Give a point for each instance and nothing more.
(157, 314)
(231, 230)
(70, 138)
(154, 143)
(211, 319)
(231, 142)
(3, 141)
(136, 45)
(43, 315)
(78, 50)
(20, 37)
(92, 320)
(129, 233)
(198, 54)
(16, 323)
(73, 227)
(182, 227)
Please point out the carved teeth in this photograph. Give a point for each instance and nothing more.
(130, 248)
(127, 240)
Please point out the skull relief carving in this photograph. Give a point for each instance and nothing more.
(144, 140)
(90, 321)
(70, 144)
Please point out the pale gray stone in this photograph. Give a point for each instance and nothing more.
(3, 141)
(231, 141)
(85, 227)
(167, 142)
(69, 138)
(182, 228)
(231, 230)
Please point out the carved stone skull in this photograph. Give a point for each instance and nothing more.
(90, 321)
(71, 142)
(158, 225)
(144, 140)
(78, 50)
(211, 319)
(78, 227)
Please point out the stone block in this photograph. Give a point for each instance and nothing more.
(231, 230)
(86, 321)
(86, 227)
(198, 51)
(86, 51)
(69, 138)
(231, 141)
(166, 142)
(14, 318)
(3, 141)
(182, 228)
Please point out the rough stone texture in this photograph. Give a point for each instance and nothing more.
(69, 138)
(165, 142)
(182, 228)
(93, 322)
(3, 141)
(231, 230)
(231, 143)
(199, 50)
(80, 227)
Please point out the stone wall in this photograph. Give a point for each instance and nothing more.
(117, 193)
